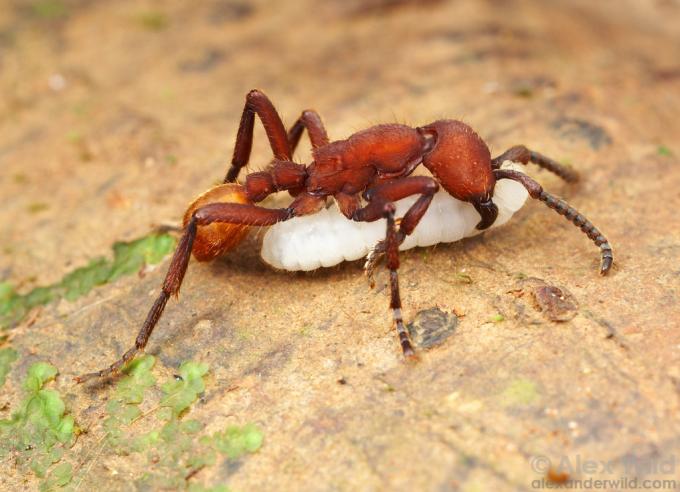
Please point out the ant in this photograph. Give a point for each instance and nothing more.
(374, 165)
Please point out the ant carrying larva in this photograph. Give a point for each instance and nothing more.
(369, 176)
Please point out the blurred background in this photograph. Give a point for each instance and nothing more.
(115, 114)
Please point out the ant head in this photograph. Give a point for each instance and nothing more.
(460, 160)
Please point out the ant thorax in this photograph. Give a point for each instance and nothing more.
(328, 238)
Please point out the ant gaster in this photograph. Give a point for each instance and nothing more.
(374, 165)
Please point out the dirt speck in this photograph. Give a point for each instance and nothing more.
(555, 303)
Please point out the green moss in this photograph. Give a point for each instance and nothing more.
(664, 151)
(194, 487)
(7, 356)
(20, 178)
(305, 331)
(464, 278)
(128, 258)
(81, 281)
(180, 393)
(123, 407)
(153, 20)
(61, 475)
(40, 430)
(74, 136)
(525, 91)
(37, 207)
(497, 318)
(39, 435)
(130, 389)
(520, 392)
(176, 447)
(185, 388)
(236, 441)
(49, 9)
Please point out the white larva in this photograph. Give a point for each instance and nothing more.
(327, 238)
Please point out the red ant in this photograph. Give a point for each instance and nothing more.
(374, 164)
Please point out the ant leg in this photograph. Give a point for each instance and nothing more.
(258, 103)
(171, 285)
(381, 200)
(393, 191)
(563, 208)
(234, 213)
(310, 120)
(392, 242)
(519, 153)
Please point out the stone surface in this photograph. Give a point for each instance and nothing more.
(114, 115)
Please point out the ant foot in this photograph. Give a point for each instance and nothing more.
(372, 260)
(113, 370)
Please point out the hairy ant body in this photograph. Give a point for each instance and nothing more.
(374, 164)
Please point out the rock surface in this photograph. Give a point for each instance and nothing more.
(114, 115)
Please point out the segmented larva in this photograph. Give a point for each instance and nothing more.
(328, 238)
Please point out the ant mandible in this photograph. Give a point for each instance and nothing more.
(374, 164)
